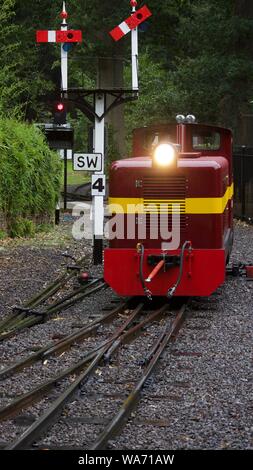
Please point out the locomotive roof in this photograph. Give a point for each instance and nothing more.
(175, 124)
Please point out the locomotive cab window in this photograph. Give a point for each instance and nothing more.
(154, 138)
(206, 140)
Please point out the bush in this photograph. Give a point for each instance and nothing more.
(22, 228)
(3, 234)
(29, 176)
(44, 228)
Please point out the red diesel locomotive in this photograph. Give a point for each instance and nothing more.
(171, 212)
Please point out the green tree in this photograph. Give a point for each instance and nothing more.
(201, 53)
(212, 74)
(11, 86)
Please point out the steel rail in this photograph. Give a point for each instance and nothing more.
(43, 295)
(64, 303)
(51, 414)
(61, 345)
(30, 397)
(48, 292)
(53, 308)
(60, 281)
(132, 401)
(32, 319)
(72, 294)
(130, 333)
(49, 417)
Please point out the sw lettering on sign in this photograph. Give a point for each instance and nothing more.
(87, 162)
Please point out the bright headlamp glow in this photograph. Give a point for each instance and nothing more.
(164, 155)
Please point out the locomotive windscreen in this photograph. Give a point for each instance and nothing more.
(147, 138)
(206, 140)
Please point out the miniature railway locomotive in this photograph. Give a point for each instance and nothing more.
(171, 210)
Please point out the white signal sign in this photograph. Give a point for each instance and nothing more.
(87, 162)
(98, 185)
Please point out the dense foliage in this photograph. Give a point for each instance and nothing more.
(29, 183)
(195, 57)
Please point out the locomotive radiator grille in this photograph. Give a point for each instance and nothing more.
(164, 194)
(163, 206)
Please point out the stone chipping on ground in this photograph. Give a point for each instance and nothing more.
(200, 396)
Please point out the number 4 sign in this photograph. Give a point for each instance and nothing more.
(98, 185)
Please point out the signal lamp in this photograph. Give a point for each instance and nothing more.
(60, 106)
(165, 155)
(68, 46)
(60, 113)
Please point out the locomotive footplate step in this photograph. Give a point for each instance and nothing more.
(170, 260)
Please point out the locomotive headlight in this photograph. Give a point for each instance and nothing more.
(165, 155)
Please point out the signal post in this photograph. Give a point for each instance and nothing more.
(79, 97)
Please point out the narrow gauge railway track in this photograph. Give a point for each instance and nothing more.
(35, 311)
(131, 402)
(133, 326)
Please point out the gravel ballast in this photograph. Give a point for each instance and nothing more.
(201, 394)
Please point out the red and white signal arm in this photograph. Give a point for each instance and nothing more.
(59, 36)
(130, 23)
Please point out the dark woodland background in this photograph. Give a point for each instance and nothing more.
(195, 57)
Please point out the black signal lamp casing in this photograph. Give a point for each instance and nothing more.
(60, 113)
